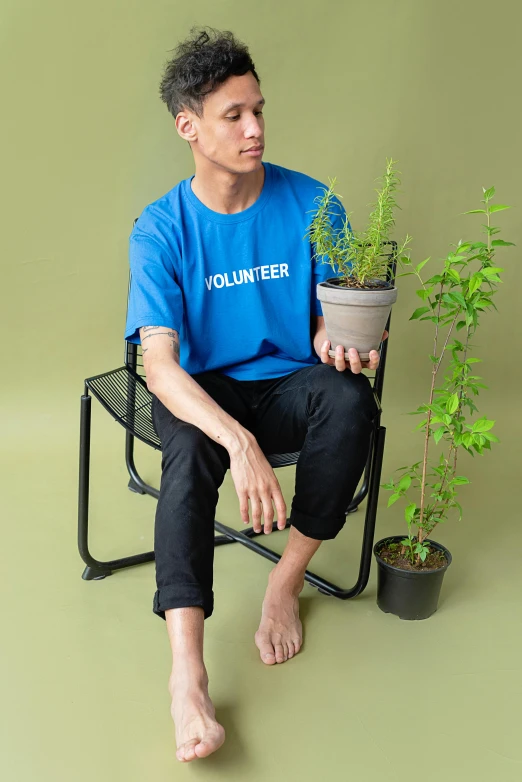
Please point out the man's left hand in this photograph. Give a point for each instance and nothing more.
(354, 362)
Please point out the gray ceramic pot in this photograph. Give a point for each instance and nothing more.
(355, 318)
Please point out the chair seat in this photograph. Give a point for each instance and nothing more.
(124, 394)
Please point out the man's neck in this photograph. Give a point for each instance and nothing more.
(227, 193)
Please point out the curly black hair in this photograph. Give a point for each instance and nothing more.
(202, 61)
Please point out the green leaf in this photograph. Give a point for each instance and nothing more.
(489, 193)
(502, 243)
(475, 212)
(452, 403)
(461, 324)
(421, 264)
(458, 297)
(475, 282)
(418, 312)
(498, 208)
(490, 271)
(491, 437)
(404, 483)
(438, 434)
(458, 480)
(482, 425)
(393, 499)
(409, 511)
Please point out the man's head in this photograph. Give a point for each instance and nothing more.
(211, 88)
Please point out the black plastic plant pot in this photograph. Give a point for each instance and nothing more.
(409, 594)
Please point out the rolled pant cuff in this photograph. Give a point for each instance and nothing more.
(315, 527)
(184, 596)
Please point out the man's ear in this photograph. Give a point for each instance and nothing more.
(185, 126)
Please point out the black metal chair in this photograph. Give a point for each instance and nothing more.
(124, 394)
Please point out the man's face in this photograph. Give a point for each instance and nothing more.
(232, 123)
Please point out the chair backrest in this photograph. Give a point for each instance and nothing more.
(134, 357)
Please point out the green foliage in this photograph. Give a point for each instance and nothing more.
(357, 255)
(455, 297)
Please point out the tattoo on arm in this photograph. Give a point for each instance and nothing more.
(173, 334)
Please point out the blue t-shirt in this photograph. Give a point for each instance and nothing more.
(239, 288)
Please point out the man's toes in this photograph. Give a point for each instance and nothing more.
(205, 748)
(187, 750)
(291, 651)
(266, 651)
(279, 652)
(297, 645)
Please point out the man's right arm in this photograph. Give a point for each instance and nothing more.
(253, 477)
(180, 393)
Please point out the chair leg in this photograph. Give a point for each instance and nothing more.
(95, 569)
(136, 482)
(326, 587)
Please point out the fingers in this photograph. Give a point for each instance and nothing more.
(281, 509)
(243, 507)
(373, 363)
(340, 361)
(268, 513)
(263, 511)
(255, 503)
(325, 358)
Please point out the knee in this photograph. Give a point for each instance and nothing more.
(344, 395)
(188, 446)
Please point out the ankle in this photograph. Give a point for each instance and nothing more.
(287, 578)
(188, 676)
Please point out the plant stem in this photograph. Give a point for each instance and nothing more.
(426, 442)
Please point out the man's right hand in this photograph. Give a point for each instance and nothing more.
(255, 480)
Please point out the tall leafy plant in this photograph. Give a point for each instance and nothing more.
(454, 299)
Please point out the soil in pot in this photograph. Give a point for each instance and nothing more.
(373, 284)
(391, 554)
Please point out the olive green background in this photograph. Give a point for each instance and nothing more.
(86, 145)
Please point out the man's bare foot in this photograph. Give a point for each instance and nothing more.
(198, 733)
(280, 634)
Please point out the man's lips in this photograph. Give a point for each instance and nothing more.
(254, 149)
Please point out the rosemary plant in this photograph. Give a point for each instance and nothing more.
(461, 296)
(356, 255)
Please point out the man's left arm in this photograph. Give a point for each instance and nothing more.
(322, 346)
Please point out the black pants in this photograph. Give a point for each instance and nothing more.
(324, 413)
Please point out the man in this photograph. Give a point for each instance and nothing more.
(223, 300)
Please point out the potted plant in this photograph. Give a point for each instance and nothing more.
(357, 303)
(411, 569)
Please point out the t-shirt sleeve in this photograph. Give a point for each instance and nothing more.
(155, 297)
(323, 271)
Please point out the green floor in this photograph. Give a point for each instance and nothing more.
(370, 697)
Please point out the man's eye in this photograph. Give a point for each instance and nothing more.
(237, 115)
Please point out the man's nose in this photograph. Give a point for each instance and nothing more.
(253, 128)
